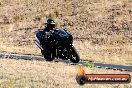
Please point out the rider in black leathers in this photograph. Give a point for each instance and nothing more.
(41, 35)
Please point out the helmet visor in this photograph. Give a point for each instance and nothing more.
(51, 26)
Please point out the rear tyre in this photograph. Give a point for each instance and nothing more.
(74, 56)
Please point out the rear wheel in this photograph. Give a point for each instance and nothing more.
(73, 55)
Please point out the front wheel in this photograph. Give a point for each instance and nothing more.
(49, 56)
(42, 52)
(73, 55)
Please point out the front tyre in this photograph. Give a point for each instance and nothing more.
(49, 56)
(74, 56)
(42, 52)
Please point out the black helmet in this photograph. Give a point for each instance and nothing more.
(50, 23)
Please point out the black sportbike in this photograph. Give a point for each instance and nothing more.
(59, 44)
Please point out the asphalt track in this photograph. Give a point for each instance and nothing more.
(40, 58)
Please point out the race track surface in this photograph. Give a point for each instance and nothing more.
(98, 65)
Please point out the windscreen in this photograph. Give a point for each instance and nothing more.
(62, 33)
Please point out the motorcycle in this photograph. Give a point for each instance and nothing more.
(58, 44)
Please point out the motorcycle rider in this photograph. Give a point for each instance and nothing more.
(52, 43)
(42, 35)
